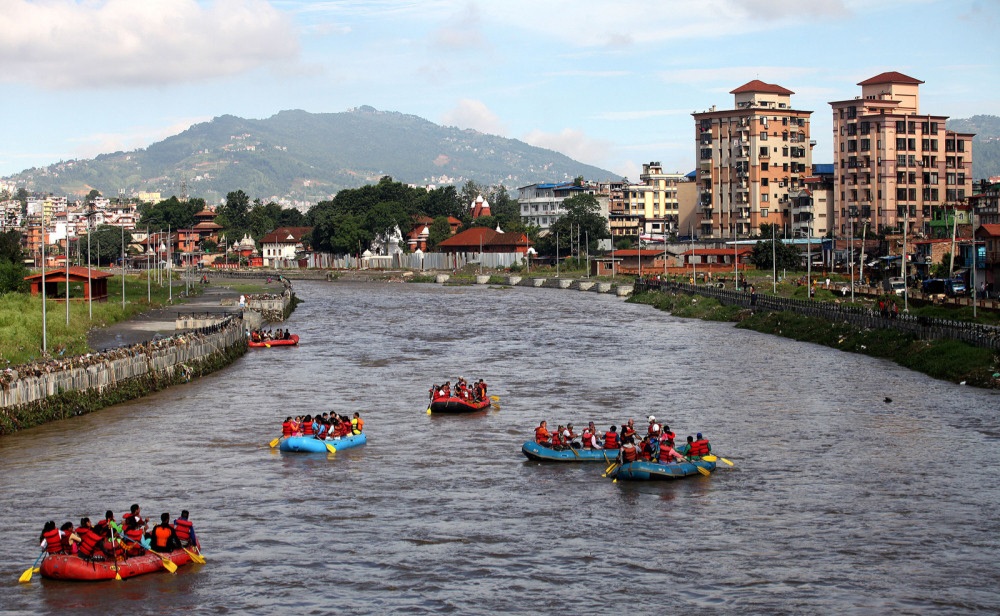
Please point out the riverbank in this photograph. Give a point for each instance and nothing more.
(949, 360)
(135, 357)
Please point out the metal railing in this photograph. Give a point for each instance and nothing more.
(924, 328)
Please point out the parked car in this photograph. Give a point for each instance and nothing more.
(896, 285)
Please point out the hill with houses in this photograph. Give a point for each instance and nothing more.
(297, 156)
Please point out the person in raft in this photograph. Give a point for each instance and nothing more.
(163, 537)
(357, 424)
(542, 436)
(699, 447)
(185, 530)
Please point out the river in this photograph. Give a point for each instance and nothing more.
(839, 502)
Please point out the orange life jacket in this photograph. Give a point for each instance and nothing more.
(629, 454)
(542, 436)
(161, 535)
(287, 429)
(307, 428)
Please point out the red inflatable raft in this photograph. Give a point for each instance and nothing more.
(72, 567)
(458, 405)
(291, 341)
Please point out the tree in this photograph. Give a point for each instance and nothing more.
(233, 214)
(93, 194)
(12, 277)
(582, 220)
(209, 246)
(170, 213)
(106, 244)
(788, 257)
(439, 231)
(10, 247)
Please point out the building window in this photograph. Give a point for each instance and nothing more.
(763, 135)
(763, 212)
(764, 166)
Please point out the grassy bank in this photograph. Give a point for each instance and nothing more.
(941, 359)
(21, 319)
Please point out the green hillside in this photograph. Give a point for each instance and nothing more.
(985, 145)
(301, 156)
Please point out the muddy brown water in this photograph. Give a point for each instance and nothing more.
(838, 502)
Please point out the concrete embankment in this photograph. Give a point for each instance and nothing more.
(35, 394)
(140, 356)
(621, 289)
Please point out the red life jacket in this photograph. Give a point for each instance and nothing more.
(644, 453)
(307, 428)
(183, 529)
(287, 429)
(161, 535)
(323, 429)
(629, 454)
(627, 431)
(557, 439)
(699, 448)
(611, 440)
(587, 443)
(53, 541)
(88, 541)
(665, 455)
(135, 534)
(344, 429)
(67, 546)
(669, 436)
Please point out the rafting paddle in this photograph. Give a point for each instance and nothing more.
(275, 442)
(195, 557)
(168, 564)
(712, 458)
(26, 576)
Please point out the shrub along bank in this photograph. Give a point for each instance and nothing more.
(941, 359)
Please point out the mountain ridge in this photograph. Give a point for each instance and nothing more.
(299, 156)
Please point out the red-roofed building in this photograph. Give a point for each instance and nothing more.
(94, 281)
(416, 239)
(715, 256)
(484, 239)
(750, 158)
(894, 164)
(283, 243)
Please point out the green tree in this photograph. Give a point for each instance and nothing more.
(10, 247)
(208, 245)
(439, 231)
(233, 214)
(93, 194)
(170, 213)
(582, 220)
(106, 244)
(12, 277)
(788, 257)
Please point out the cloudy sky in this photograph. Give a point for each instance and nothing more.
(612, 84)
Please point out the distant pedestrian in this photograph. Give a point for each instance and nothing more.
(753, 295)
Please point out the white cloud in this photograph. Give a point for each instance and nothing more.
(460, 33)
(62, 44)
(573, 143)
(476, 115)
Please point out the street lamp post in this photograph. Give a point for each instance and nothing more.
(905, 266)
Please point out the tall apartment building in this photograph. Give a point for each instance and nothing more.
(894, 164)
(749, 158)
(650, 208)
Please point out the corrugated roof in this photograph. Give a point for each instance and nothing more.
(759, 86)
(890, 77)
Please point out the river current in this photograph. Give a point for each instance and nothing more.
(839, 501)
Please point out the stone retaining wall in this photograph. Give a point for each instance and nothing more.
(34, 394)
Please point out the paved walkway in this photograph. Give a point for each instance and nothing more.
(145, 326)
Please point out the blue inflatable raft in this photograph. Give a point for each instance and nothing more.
(541, 453)
(310, 444)
(642, 470)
